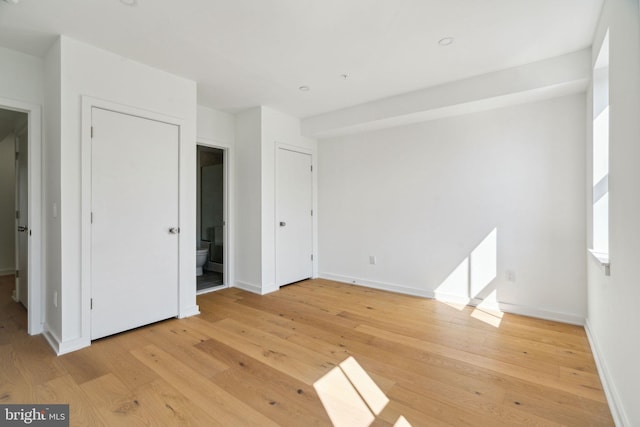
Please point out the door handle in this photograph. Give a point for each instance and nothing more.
(174, 230)
(282, 223)
(22, 229)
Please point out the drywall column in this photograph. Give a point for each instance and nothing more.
(73, 72)
(258, 130)
(613, 314)
(52, 191)
(248, 200)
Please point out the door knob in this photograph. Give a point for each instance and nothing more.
(174, 230)
(282, 223)
(22, 229)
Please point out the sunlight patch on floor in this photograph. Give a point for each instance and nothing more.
(457, 306)
(375, 399)
(341, 401)
(350, 397)
(488, 311)
(402, 422)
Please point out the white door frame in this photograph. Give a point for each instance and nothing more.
(35, 265)
(302, 150)
(227, 211)
(184, 243)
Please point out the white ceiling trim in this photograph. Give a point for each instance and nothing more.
(546, 79)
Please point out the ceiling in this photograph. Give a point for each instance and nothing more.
(244, 53)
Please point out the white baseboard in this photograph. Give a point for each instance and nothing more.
(60, 347)
(457, 299)
(377, 285)
(52, 339)
(572, 319)
(613, 399)
(253, 288)
(191, 311)
(212, 289)
(249, 287)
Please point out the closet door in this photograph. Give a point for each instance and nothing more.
(294, 230)
(134, 230)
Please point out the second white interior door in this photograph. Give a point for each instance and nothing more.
(294, 228)
(134, 231)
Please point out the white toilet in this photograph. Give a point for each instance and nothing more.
(202, 254)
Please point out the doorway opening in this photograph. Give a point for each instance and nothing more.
(210, 255)
(24, 120)
(14, 202)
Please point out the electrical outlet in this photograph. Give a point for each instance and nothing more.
(55, 299)
(372, 259)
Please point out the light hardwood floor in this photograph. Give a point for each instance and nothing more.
(292, 358)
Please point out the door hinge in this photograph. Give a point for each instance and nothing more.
(17, 274)
(17, 214)
(91, 131)
(311, 212)
(311, 168)
(91, 217)
(91, 304)
(311, 257)
(17, 155)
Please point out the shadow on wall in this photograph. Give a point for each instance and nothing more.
(473, 282)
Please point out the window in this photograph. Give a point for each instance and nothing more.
(600, 243)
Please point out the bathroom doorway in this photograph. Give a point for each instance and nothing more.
(211, 219)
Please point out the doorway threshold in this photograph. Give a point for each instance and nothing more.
(211, 289)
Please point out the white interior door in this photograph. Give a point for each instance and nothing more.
(134, 230)
(294, 228)
(22, 202)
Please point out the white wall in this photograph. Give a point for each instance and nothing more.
(421, 199)
(248, 200)
(22, 77)
(613, 315)
(7, 204)
(215, 126)
(89, 71)
(51, 170)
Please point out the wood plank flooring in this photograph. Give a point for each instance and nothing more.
(316, 353)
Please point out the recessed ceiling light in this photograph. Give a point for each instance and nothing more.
(129, 2)
(445, 41)
(304, 88)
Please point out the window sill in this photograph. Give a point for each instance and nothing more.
(603, 259)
